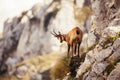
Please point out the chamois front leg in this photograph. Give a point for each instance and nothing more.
(72, 49)
(78, 49)
(68, 50)
(75, 46)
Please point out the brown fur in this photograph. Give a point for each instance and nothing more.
(73, 39)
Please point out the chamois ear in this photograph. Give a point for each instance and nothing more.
(59, 32)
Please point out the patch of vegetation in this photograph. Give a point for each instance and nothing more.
(60, 69)
(110, 40)
(117, 36)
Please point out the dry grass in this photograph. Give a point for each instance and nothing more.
(43, 62)
(60, 69)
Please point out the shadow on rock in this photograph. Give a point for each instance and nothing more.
(75, 62)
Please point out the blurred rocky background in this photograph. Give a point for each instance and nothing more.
(28, 50)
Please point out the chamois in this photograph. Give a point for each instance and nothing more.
(73, 39)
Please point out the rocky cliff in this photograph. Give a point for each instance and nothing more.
(102, 60)
(29, 35)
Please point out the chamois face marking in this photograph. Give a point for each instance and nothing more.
(60, 38)
(73, 39)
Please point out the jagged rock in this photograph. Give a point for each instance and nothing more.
(103, 41)
(93, 76)
(103, 54)
(11, 62)
(84, 46)
(115, 74)
(116, 43)
(99, 67)
(36, 77)
(111, 31)
(91, 40)
(85, 66)
(37, 10)
(115, 57)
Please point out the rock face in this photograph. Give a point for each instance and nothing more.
(115, 74)
(102, 61)
(30, 35)
(103, 55)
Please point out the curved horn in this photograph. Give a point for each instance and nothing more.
(54, 33)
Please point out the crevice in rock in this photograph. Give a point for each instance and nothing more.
(48, 17)
(108, 69)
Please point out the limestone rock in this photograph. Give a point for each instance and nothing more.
(116, 43)
(93, 76)
(115, 56)
(103, 54)
(99, 67)
(36, 76)
(91, 40)
(115, 74)
(111, 31)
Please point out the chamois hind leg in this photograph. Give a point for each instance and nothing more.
(78, 49)
(68, 50)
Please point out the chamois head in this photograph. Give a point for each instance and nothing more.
(59, 36)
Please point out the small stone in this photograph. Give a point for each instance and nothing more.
(21, 71)
(36, 76)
